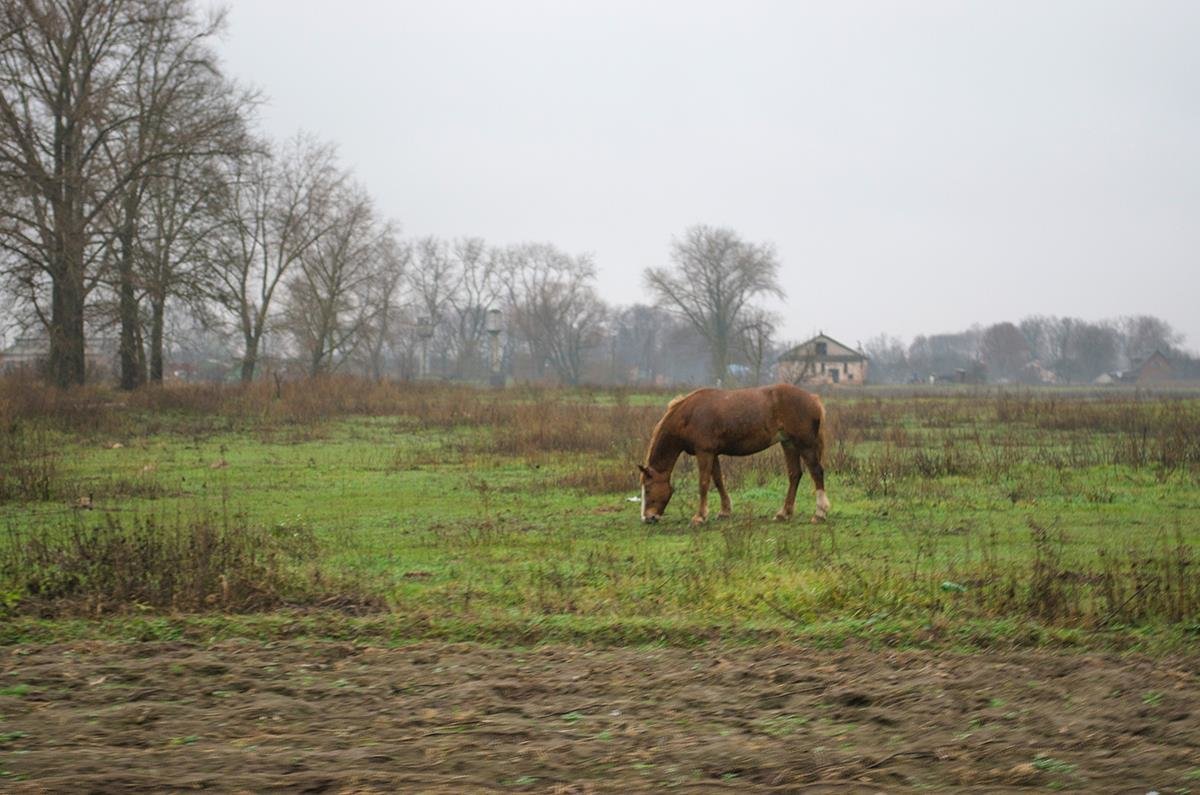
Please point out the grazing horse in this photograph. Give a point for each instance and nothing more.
(709, 423)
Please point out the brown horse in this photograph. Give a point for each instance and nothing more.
(709, 423)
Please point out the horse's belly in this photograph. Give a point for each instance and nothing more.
(748, 446)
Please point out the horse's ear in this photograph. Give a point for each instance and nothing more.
(643, 470)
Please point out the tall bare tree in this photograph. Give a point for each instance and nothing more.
(715, 277)
(70, 73)
(640, 337)
(1004, 350)
(274, 210)
(432, 281)
(180, 109)
(889, 359)
(1092, 350)
(179, 217)
(382, 334)
(61, 64)
(475, 290)
(329, 293)
(755, 338)
(553, 306)
(1142, 335)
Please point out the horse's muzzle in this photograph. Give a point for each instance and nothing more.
(649, 519)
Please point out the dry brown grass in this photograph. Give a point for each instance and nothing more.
(878, 438)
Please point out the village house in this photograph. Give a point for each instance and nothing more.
(30, 354)
(823, 360)
(1154, 369)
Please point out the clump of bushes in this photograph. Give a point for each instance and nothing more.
(195, 564)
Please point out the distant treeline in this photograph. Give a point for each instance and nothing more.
(1038, 349)
(149, 230)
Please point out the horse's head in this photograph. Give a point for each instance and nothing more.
(656, 493)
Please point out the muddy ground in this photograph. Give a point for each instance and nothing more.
(326, 717)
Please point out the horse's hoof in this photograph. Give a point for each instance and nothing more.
(698, 519)
(818, 518)
(783, 516)
(724, 515)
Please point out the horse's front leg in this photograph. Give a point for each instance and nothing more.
(719, 482)
(704, 463)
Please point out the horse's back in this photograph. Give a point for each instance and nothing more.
(746, 421)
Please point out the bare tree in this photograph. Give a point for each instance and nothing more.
(179, 217)
(475, 289)
(432, 281)
(61, 66)
(716, 276)
(941, 355)
(1142, 335)
(329, 294)
(382, 333)
(755, 340)
(1092, 350)
(1037, 330)
(1004, 350)
(84, 92)
(178, 108)
(889, 359)
(1074, 349)
(640, 337)
(274, 210)
(553, 306)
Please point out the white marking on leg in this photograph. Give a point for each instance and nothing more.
(822, 502)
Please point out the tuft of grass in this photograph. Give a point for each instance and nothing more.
(1048, 764)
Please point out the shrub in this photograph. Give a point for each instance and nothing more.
(113, 565)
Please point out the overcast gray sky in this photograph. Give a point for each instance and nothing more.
(919, 166)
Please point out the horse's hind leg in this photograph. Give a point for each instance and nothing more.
(812, 460)
(704, 463)
(792, 456)
(719, 482)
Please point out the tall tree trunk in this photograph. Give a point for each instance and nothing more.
(377, 353)
(132, 374)
(139, 347)
(720, 361)
(133, 371)
(68, 364)
(249, 360)
(157, 312)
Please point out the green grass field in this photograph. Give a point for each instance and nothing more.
(968, 518)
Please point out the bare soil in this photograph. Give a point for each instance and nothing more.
(331, 717)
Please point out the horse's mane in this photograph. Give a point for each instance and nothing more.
(672, 407)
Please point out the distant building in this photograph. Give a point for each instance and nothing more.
(975, 374)
(26, 354)
(31, 354)
(1154, 369)
(823, 360)
(1037, 373)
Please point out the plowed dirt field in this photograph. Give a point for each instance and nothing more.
(326, 717)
